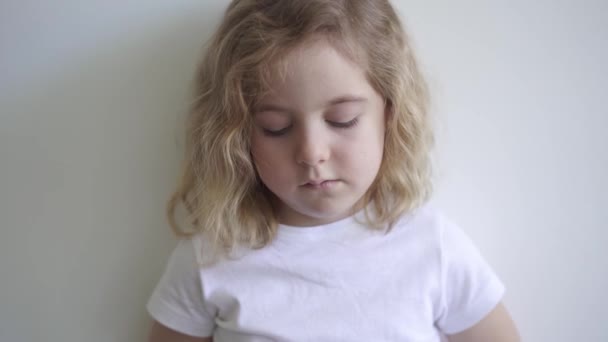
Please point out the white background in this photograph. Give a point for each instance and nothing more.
(91, 98)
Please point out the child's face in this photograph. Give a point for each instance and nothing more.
(319, 136)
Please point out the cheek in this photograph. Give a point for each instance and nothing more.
(368, 139)
(362, 156)
(267, 158)
(261, 154)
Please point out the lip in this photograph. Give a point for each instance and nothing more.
(320, 183)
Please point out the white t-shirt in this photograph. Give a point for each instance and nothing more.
(336, 282)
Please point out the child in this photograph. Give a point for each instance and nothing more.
(306, 176)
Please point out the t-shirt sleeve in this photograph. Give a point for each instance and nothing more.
(177, 301)
(469, 287)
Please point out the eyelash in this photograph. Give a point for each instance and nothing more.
(340, 125)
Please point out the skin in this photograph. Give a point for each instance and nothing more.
(497, 326)
(312, 107)
(321, 121)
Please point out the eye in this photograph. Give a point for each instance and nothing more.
(347, 124)
(277, 133)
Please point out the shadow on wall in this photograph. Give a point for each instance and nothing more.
(88, 142)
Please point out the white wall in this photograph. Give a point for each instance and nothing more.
(90, 101)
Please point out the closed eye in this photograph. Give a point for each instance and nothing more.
(282, 131)
(347, 124)
(275, 133)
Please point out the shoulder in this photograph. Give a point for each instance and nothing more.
(455, 248)
(180, 276)
(177, 300)
(468, 287)
(432, 223)
(426, 220)
(182, 260)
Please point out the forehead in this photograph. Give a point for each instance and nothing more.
(313, 74)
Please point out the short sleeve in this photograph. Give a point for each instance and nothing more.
(469, 287)
(177, 301)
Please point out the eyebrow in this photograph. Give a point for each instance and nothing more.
(267, 107)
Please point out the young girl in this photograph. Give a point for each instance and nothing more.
(306, 176)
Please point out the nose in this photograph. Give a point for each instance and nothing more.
(312, 148)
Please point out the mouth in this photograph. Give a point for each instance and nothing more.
(320, 184)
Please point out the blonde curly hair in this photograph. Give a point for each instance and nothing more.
(219, 187)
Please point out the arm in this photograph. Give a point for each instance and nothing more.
(497, 326)
(160, 333)
(177, 306)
